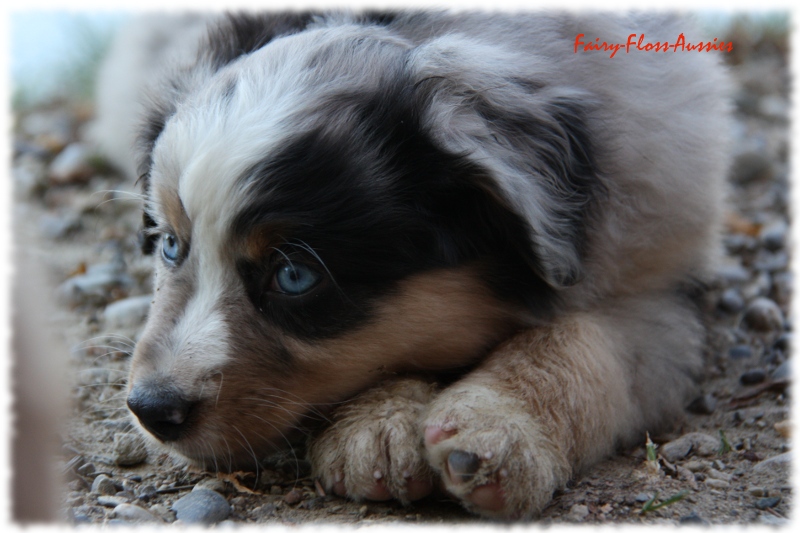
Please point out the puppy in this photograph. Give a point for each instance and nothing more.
(463, 239)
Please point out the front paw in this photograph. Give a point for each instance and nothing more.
(492, 454)
(373, 448)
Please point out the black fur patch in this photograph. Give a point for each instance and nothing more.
(378, 201)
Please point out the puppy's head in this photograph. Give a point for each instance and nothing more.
(338, 205)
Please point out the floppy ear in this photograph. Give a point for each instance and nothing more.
(498, 110)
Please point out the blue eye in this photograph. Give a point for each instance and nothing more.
(295, 279)
(170, 248)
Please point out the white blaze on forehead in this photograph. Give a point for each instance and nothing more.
(201, 337)
(220, 133)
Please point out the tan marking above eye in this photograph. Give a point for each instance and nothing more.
(171, 210)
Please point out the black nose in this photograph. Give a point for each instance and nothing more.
(163, 412)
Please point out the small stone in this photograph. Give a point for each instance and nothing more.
(767, 503)
(736, 243)
(698, 443)
(56, 227)
(642, 497)
(202, 506)
(784, 370)
(293, 497)
(731, 301)
(784, 342)
(111, 501)
(692, 518)
(71, 165)
(146, 493)
(211, 483)
(773, 237)
(363, 510)
(29, 175)
(129, 449)
(91, 288)
(696, 466)
(134, 513)
(770, 262)
(740, 351)
(751, 166)
(753, 376)
(733, 274)
(757, 491)
(578, 512)
(763, 315)
(782, 287)
(772, 520)
(103, 484)
(128, 312)
(704, 405)
(716, 474)
(783, 428)
(776, 463)
(717, 483)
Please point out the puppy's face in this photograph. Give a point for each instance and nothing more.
(313, 236)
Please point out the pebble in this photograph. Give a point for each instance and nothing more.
(740, 351)
(134, 513)
(642, 497)
(211, 483)
(29, 175)
(772, 520)
(782, 287)
(692, 518)
(731, 301)
(699, 443)
(91, 288)
(737, 243)
(784, 370)
(751, 166)
(783, 428)
(773, 237)
(111, 501)
(696, 466)
(770, 262)
(704, 405)
(578, 512)
(55, 125)
(57, 227)
(202, 506)
(717, 483)
(733, 274)
(757, 491)
(716, 474)
(763, 315)
(146, 493)
(103, 484)
(753, 376)
(293, 497)
(128, 312)
(129, 449)
(767, 503)
(71, 165)
(775, 463)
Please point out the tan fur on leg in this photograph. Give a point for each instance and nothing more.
(556, 399)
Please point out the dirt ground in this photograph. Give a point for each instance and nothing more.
(81, 219)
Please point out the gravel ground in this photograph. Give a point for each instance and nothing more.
(728, 463)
